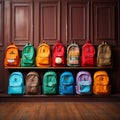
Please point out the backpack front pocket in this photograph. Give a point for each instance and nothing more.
(28, 59)
(15, 90)
(67, 88)
(32, 89)
(43, 61)
(101, 89)
(85, 89)
(59, 60)
(50, 88)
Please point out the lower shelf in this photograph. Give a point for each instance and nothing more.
(59, 98)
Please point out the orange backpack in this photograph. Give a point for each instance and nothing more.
(12, 58)
(43, 57)
(101, 84)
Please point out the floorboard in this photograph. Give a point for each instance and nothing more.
(59, 110)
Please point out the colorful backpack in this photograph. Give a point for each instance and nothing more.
(101, 83)
(28, 56)
(16, 83)
(12, 58)
(50, 83)
(66, 83)
(88, 55)
(73, 55)
(32, 83)
(58, 55)
(83, 82)
(104, 54)
(43, 58)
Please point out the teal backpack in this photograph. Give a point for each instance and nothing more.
(49, 83)
(28, 56)
(16, 83)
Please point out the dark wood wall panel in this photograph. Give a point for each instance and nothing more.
(22, 23)
(119, 23)
(49, 22)
(2, 79)
(1, 24)
(104, 22)
(2, 84)
(78, 21)
(118, 70)
(115, 75)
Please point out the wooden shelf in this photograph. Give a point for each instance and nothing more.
(107, 67)
(60, 98)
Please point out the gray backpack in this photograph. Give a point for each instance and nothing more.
(73, 55)
(104, 54)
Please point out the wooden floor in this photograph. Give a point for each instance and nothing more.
(59, 110)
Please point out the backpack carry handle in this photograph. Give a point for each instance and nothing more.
(28, 43)
(88, 41)
(72, 42)
(104, 42)
(43, 41)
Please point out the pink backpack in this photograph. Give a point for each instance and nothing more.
(88, 55)
(58, 55)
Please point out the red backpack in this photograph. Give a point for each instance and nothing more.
(88, 55)
(58, 55)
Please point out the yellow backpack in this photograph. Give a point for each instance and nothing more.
(12, 58)
(43, 57)
(101, 84)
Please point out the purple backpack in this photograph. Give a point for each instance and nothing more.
(83, 82)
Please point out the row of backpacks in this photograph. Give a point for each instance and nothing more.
(66, 84)
(58, 56)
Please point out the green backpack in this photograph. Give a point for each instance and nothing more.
(49, 83)
(28, 56)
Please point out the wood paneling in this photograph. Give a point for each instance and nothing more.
(1, 24)
(119, 23)
(22, 23)
(78, 21)
(2, 85)
(2, 79)
(49, 21)
(104, 22)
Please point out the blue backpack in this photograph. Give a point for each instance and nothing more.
(67, 84)
(83, 82)
(16, 83)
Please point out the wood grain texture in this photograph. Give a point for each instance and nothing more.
(59, 111)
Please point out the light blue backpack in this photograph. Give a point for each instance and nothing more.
(83, 82)
(67, 84)
(16, 83)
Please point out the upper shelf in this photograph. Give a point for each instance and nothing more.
(107, 67)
